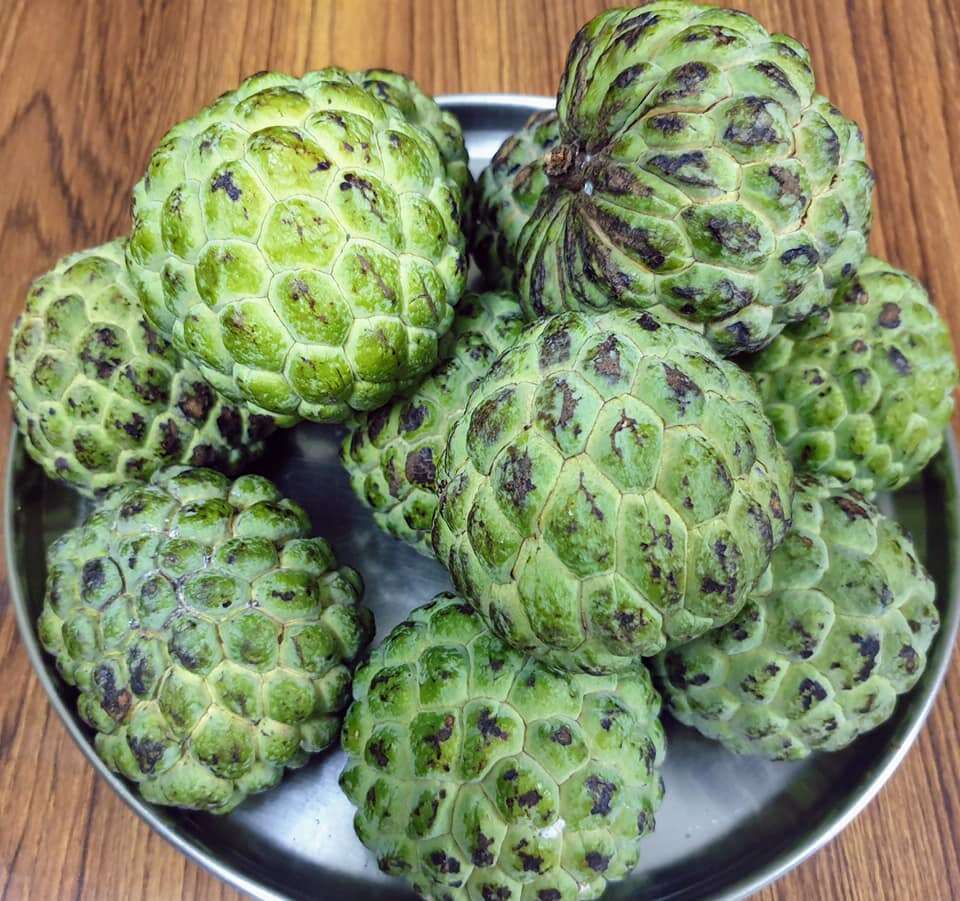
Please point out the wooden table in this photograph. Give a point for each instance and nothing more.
(87, 90)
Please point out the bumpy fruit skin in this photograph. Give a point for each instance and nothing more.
(818, 655)
(478, 773)
(863, 390)
(697, 169)
(300, 240)
(613, 485)
(210, 639)
(100, 398)
(392, 453)
(508, 191)
(420, 109)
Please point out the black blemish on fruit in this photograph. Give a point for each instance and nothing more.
(851, 509)
(752, 125)
(889, 316)
(378, 751)
(481, 855)
(376, 421)
(93, 575)
(811, 691)
(196, 402)
(602, 793)
(367, 267)
(488, 726)
(529, 798)
(412, 416)
(443, 863)
(672, 124)
(517, 476)
(910, 658)
(206, 455)
(139, 666)
(898, 361)
(683, 388)
(554, 347)
(597, 861)
(772, 72)
(441, 735)
(788, 183)
(809, 256)
(682, 167)
(562, 736)
(230, 426)
(224, 182)
(639, 241)
(146, 751)
(685, 81)
(606, 359)
(808, 642)
(135, 426)
(170, 441)
(624, 424)
(868, 648)
(115, 700)
(733, 236)
(420, 468)
(549, 894)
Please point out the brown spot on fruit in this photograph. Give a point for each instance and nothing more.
(420, 468)
(889, 316)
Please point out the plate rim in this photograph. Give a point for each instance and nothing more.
(779, 866)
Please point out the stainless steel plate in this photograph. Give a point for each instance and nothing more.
(728, 825)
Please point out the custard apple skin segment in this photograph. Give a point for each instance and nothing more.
(508, 191)
(211, 641)
(300, 241)
(478, 773)
(100, 398)
(817, 657)
(697, 169)
(863, 390)
(612, 485)
(392, 454)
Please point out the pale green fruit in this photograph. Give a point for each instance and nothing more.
(300, 240)
(100, 398)
(612, 485)
(839, 628)
(863, 390)
(697, 169)
(211, 640)
(478, 773)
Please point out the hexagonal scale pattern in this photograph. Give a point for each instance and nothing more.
(392, 454)
(211, 641)
(480, 774)
(100, 398)
(300, 239)
(696, 169)
(613, 485)
(839, 627)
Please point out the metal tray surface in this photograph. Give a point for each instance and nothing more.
(728, 825)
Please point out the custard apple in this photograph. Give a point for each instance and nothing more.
(612, 485)
(210, 639)
(300, 241)
(863, 390)
(391, 454)
(840, 626)
(507, 194)
(481, 774)
(100, 398)
(698, 169)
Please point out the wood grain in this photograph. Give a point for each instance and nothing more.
(88, 88)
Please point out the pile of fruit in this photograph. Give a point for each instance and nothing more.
(646, 456)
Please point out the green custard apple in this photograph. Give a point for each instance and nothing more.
(480, 774)
(863, 390)
(300, 241)
(612, 485)
(211, 640)
(392, 453)
(840, 626)
(697, 169)
(100, 398)
(508, 191)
